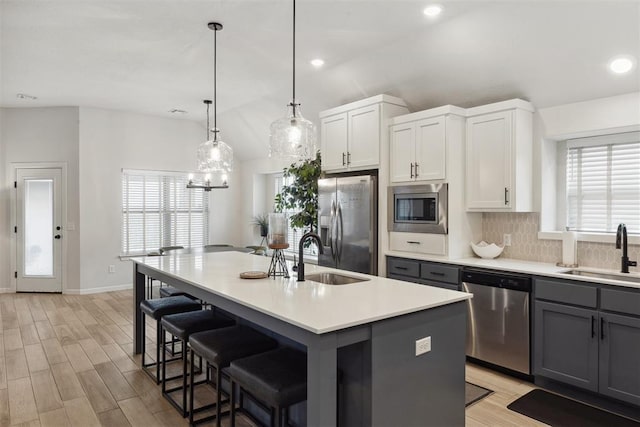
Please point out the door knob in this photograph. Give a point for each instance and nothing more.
(57, 236)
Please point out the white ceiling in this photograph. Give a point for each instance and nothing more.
(151, 56)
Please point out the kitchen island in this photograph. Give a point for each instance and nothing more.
(366, 331)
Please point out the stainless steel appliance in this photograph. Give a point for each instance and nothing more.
(498, 322)
(418, 208)
(347, 219)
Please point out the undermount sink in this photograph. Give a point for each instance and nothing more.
(609, 276)
(333, 279)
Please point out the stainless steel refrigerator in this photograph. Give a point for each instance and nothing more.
(348, 223)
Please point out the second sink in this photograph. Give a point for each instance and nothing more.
(609, 276)
(333, 279)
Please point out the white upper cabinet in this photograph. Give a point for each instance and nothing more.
(498, 157)
(418, 144)
(334, 140)
(352, 134)
(418, 150)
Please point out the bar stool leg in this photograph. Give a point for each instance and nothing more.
(192, 387)
(233, 403)
(272, 421)
(158, 347)
(218, 394)
(184, 380)
(164, 361)
(278, 416)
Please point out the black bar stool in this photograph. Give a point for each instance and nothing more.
(181, 326)
(219, 348)
(278, 378)
(156, 308)
(170, 291)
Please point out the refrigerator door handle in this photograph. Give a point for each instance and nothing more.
(340, 232)
(332, 227)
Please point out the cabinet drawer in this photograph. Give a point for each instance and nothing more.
(404, 267)
(438, 272)
(569, 293)
(450, 286)
(620, 301)
(432, 244)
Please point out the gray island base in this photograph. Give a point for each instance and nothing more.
(360, 339)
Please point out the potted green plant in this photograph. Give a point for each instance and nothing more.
(302, 194)
(262, 220)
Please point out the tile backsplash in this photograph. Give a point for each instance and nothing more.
(525, 244)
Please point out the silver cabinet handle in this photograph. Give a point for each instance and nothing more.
(348, 158)
(416, 174)
(506, 196)
(411, 170)
(343, 159)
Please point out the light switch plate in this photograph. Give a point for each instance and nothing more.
(423, 346)
(506, 239)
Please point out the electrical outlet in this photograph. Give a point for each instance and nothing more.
(112, 269)
(506, 239)
(423, 346)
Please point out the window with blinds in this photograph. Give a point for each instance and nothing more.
(603, 183)
(158, 210)
(293, 234)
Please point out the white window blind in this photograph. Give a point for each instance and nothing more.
(293, 234)
(603, 183)
(158, 210)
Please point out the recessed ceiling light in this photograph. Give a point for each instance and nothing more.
(25, 96)
(621, 64)
(433, 10)
(317, 62)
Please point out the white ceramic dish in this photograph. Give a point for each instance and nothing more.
(486, 250)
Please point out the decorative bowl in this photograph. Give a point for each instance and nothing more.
(486, 250)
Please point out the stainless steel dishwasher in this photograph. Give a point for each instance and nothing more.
(498, 323)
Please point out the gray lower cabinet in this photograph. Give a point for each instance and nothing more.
(566, 344)
(424, 273)
(594, 343)
(620, 357)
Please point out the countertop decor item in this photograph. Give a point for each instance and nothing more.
(278, 265)
(293, 135)
(214, 155)
(253, 275)
(486, 250)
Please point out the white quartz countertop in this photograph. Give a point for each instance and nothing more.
(310, 305)
(527, 267)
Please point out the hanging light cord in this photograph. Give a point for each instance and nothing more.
(215, 90)
(293, 101)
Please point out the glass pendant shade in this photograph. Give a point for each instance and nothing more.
(293, 136)
(215, 157)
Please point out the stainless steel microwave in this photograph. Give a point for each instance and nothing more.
(418, 208)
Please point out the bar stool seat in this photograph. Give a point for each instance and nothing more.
(277, 378)
(181, 326)
(219, 348)
(156, 308)
(170, 291)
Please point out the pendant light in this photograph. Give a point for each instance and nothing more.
(293, 136)
(214, 155)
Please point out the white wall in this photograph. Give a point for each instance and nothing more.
(113, 140)
(30, 135)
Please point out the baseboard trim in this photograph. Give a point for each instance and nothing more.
(87, 291)
(7, 290)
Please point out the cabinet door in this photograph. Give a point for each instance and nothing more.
(401, 153)
(334, 142)
(566, 344)
(620, 357)
(431, 149)
(364, 137)
(489, 165)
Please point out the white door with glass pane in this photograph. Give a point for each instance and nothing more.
(39, 230)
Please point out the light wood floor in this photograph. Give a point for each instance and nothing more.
(67, 360)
